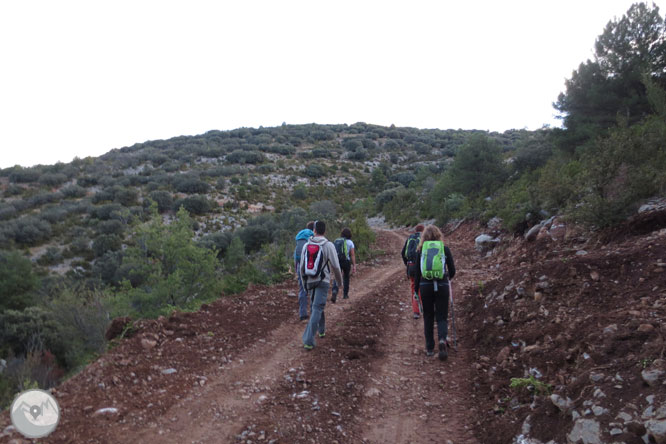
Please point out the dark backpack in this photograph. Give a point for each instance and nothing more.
(410, 250)
(342, 249)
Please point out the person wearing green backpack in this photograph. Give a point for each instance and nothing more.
(436, 268)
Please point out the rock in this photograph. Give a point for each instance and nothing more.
(495, 223)
(106, 411)
(564, 404)
(598, 410)
(532, 233)
(594, 275)
(148, 344)
(486, 242)
(117, 327)
(581, 253)
(373, 392)
(169, 371)
(503, 354)
(656, 429)
(596, 377)
(645, 328)
(661, 412)
(652, 376)
(609, 330)
(585, 431)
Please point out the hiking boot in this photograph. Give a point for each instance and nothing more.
(430, 352)
(443, 354)
(321, 335)
(345, 297)
(304, 318)
(308, 347)
(416, 316)
(334, 298)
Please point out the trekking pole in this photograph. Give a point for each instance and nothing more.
(418, 299)
(453, 320)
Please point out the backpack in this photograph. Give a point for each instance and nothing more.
(313, 264)
(299, 248)
(342, 249)
(433, 260)
(410, 250)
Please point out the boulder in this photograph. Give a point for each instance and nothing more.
(656, 429)
(585, 431)
(532, 233)
(486, 242)
(564, 404)
(652, 376)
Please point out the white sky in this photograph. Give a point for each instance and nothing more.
(81, 78)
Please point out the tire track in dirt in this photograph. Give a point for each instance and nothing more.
(416, 398)
(218, 411)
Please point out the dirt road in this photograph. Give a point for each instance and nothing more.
(237, 372)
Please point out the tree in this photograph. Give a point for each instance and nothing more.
(611, 85)
(171, 267)
(478, 167)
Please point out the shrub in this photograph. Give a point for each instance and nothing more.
(51, 256)
(52, 180)
(177, 271)
(17, 281)
(163, 199)
(314, 170)
(190, 185)
(197, 204)
(105, 243)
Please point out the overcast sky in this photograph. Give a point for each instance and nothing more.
(82, 78)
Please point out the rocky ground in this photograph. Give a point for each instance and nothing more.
(581, 316)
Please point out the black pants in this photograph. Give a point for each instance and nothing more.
(435, 307)
(346, 269)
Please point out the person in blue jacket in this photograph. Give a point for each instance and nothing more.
(301, 238)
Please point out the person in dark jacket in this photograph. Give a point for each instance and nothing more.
(435, 295)
(409, 257)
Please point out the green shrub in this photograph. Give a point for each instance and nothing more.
(17, 281)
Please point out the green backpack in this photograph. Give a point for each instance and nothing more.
(433, 260)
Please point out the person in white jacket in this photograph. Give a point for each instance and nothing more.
(317, 287)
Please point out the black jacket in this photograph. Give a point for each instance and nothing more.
(450, 267)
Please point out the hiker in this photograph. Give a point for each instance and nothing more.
(346, 251)
(318, 260)
(301, 238)
(435, 269)
(410, 258)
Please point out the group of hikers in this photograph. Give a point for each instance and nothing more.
(429, 265)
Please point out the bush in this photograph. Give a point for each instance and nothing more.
(197, 204)
(17, 281)
(52, 180)
(105, 243)
(31, 231)
(73, 191)
(51, 256)
(177, 272)
(315, 171)
(163, 199)
(190, 185)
